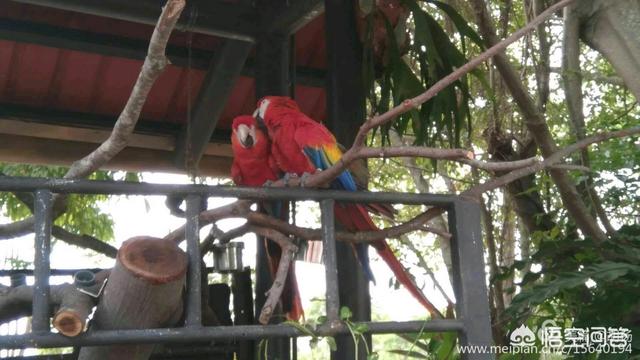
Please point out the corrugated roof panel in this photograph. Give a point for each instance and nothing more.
(30, 74)
(185, 95)
(76, 90)
(50, 78)
(6, 54)
(310, 45)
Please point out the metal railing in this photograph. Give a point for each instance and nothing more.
(472, 309)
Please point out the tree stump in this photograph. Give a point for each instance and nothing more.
(144, 290)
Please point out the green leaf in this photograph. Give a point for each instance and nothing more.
(360, 328)
(345, 313)
(409, 354)
(448, 345)
(303, 329)
(331, 342)
(460, 23)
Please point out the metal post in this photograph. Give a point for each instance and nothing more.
(346, 111)
(194, 279)
(330, 261)
(43, 209)
(272, 78)
(469, 283)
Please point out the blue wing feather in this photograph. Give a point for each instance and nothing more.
(319, 159)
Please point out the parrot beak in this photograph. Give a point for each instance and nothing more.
(260, 112)
(246, 136)
(259, 119)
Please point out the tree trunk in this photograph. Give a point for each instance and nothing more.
(612, 27)
(144, 291)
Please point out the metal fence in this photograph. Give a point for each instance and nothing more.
(472, 322)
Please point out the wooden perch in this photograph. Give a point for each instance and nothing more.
(144, 291)
(288, 252)
(73, 306)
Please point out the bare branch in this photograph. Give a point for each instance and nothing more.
(599, 78)
(17, 228)
(152, 67)
(549, 161)
(536, 123)
(84, 241)
(223, 238)
(288, 252)
(318, 179)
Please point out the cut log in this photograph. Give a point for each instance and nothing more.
(144, 291)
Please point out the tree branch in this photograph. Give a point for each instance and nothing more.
(571, 75)
(324, 177)
(556, 157)
(288, 253)
(536, 124)
(154, 64)
(84, 241)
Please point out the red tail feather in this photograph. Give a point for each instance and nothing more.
(356, 218)
(403, 277)
(295, 310)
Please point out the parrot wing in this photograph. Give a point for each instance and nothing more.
(356, 218)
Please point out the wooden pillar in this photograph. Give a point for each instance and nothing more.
(272, 78)
(346, 111)
(144, 290)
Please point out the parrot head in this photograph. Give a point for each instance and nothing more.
(270, 107)
(244, 134)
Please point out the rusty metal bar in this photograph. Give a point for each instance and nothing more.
(43, 208)
(207, 334)
(194, 289)
(330, 260)
(260, 193)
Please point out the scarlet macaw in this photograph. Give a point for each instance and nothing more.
(253, 166)
(300, 146)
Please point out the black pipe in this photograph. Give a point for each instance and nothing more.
(330, 260)
(40, 319)
(207, 334)
(259, 193)
(194, 289)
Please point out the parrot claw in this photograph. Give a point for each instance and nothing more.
(268, 183)
(304, 178)
(287, 177)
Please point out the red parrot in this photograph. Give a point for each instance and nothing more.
(253, 166)
(301, 145)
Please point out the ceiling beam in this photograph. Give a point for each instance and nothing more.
(128, 48)
(32, 150)
(95, 122)
(233, 21)
(98, 136)
(216, 88)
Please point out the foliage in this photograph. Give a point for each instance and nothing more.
(582, 282)
(574, 280)
(431, 55)
(83, 215)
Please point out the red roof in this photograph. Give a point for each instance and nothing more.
(45, 77)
